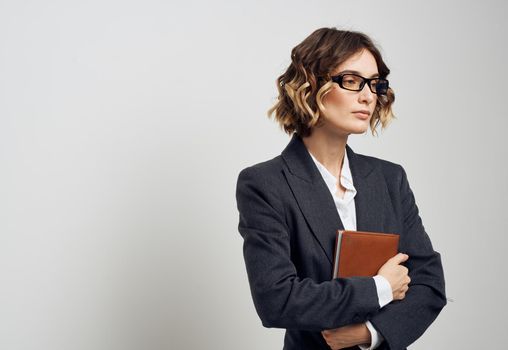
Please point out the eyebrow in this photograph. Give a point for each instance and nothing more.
(376, 75)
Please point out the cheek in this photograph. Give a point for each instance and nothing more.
(337, 98)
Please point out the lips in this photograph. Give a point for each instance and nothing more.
(362, 114)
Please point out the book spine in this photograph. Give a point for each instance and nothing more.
(337, 254)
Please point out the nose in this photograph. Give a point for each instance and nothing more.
(365, 95)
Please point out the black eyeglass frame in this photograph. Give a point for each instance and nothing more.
(381, 83)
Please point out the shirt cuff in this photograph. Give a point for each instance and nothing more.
(375, 338)
(384, 290)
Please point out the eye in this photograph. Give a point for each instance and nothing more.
(350, 80)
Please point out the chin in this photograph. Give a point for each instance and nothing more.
(358, 132)
(359, 129)
(355, 127)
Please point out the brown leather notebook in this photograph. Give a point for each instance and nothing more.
(361, 253)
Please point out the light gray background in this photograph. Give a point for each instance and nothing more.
(124, 125)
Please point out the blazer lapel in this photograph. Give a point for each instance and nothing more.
(316, 202)
(372, 199)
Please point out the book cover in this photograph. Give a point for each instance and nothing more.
(361, 253)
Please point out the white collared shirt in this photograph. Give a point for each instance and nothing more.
(346, 205)
(347, 212)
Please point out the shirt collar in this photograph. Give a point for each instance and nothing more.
(346, 178)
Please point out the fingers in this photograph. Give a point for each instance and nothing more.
(329, 336)
(403, 270)
(400, 296)
(400, 293)
(397, 275)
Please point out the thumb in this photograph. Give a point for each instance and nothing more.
(399, 258)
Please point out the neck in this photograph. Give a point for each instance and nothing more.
(327, 148)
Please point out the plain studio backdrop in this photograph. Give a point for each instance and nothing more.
(124, 125)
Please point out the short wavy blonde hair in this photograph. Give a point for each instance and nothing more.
(308, 79)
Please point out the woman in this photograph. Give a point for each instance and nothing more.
(292, 205)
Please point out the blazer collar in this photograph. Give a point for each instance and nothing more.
(301, 164)
(316, 201)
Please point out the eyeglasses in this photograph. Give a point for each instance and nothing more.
(355, 82)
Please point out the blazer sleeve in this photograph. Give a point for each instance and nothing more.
(282, 299)
(403, 321)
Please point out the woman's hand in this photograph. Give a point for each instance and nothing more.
(396, 275)
(347, 336)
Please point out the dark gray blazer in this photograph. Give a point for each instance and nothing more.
(288, 221)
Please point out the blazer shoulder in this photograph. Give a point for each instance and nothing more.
(265, 179)
(261, 183)
(391, 171)
(269, 169)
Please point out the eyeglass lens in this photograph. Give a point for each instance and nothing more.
(355, 83)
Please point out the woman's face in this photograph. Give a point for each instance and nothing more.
(341, 114)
